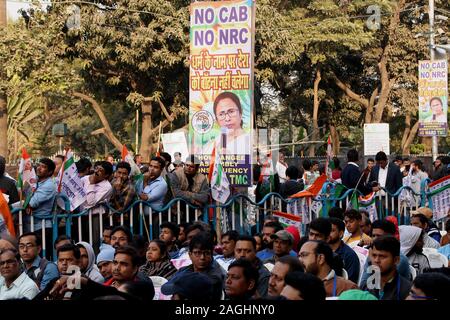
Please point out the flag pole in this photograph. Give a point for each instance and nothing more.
(159, 139)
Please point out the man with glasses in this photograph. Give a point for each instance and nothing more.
(14, 284)
(200, 252)
(317, 258)
(40, 270)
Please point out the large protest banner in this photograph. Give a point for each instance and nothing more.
(221, 86)
(433, 98)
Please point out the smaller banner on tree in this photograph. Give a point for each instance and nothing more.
(441, 197)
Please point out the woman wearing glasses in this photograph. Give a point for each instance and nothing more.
(228, 112)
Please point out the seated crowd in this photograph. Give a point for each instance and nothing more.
(344, 256)
(389, 263)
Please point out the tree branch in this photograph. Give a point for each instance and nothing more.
(106, 128)
(352, 95)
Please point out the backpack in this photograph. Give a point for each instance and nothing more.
(37, 274)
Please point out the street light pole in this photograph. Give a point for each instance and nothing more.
(431, 18)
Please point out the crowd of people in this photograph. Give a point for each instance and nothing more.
(388, 263)
(344, 256)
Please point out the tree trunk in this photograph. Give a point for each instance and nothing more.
(335, 140)
(3, 127)
(3, 15)
(407, 130)
(315, 133)
(428, 143)
(106, 130)
(290, 130)
(146, 130)
(410, 138)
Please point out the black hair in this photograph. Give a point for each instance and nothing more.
(249, 270)
(322, 225)
(443, 270)
(306, 164)
(161, 161)
(62, 237)
(232, 235)
(418, 163)
(338, 223)
(172, 227)
(162, 247)
(108, 228)
(352, 155)
(365, 214)
(387, 243)
(293, 263)
(387, 226)
(201, 241)
(49, 163)
(331, 259)
(36, 236)
(336, 212)
(70, 247)
(139, 242)
(371, 160)
(381, 156)
(125, 230)
(292, 172)
(2, 166)
(143, 291)
(310, 287)
(167, 157)
(353, 214)
(60, 156)
(106, 166)
(274, 224)
(337, 162)
(248, 238)
(397, 158)
(447, 226)
(130, 251)
(434, 285)
(324, 248)
(83, 164)
(123, 165)
(193, 227)
(422, 218)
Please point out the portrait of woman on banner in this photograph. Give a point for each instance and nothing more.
(228, 112)
(438, 110)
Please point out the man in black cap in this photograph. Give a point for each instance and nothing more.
(193, 286)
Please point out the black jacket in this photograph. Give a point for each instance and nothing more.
(394, 179)
(397, 289)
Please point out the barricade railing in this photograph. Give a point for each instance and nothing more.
(235, 214)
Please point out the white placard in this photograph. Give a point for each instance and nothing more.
(376, 138)
(175, 142)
